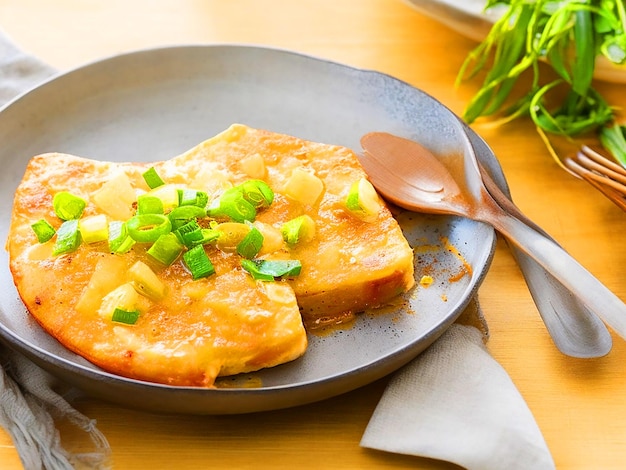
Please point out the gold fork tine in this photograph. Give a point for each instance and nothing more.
(590, 169)
(602, 164)
(613, 190)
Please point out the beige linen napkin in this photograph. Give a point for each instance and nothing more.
(456, 403)
(453, 403)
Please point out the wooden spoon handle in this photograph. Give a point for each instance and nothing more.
(555, 260)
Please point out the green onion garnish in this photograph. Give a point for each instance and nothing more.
(232, 204)
(298, 230)
(128, 317)
(147, 204)
(119, 240)
(189, 234)
(68, 238)
(43, 230)
(208, 236)
(166, 249)
(152, 178)
(269, 270)
(198, 262)
(67, 206)
(192, 197)
(147, 228)
(181, 215)
(250, 246)
(258, 193)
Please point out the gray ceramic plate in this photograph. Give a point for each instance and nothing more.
(155, 104)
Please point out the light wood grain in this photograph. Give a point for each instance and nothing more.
(579, 405)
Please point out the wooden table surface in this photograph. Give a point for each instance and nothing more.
(580, 405)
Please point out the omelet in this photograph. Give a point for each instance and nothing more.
(215, 262)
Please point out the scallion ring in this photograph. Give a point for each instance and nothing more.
(147, 228)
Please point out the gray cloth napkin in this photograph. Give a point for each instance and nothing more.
(453, 403)
(29, 397)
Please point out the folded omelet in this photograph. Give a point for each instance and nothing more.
(209, 300)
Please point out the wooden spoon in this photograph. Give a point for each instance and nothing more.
(409, 175)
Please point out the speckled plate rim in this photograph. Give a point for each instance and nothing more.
(110, 108)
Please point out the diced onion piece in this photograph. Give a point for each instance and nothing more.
(304, 186)
(167, 193)
(68, 206)
(128, 317)
(298, 230)
(253, 166)
(124, 297)
(152, 178)
(198, 262)
(146, 282)
(68, 238)
(166, 249)
(43, 230)
(251, 244)
(116, 197)
(231, 235)
(108, 274)
(363, 201)
(279, 292)
(119, 240)
(272, 238)
(94, 228)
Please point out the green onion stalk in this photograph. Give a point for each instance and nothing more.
(566, 37)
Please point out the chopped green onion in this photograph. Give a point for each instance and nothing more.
(232, 204)
(258, 193)
(148, 204)
(125, 316)
(43, 230)
(208, 236)
(119, 240)
(198, 263)
(152, 178)
(189, 234)
(94, 228)
(192, 197)
(67, 206)
(298, 230)
(181, 215)
(68, 238)
(147, 228)
(166, 249)
(363, 201)
(269, 270)
(250, 246)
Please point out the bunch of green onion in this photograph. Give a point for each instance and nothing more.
(567, 37)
